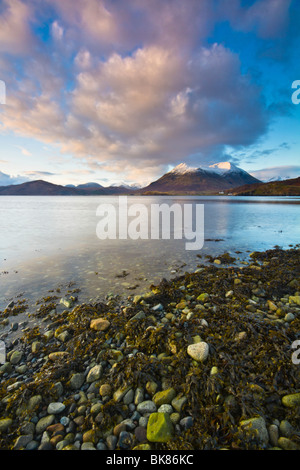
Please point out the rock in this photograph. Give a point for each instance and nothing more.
(286, 429)
(204, 297)
(128, 397)
(139, 396)
(55, 408)
(273, 435)
(164, 397)
(151, 387)
(77, 380)
(186, 423)
(55, 428)
(158, 308)
(94, 373)
(119, 428)
(165, 409)
(142, 447)
(138, 316)
(34, 402)
(35, 347)
(111, 442)
(289, 317)
(146, 406)
(286, 444)
(16, 357)
(58, 355)
(91, 436)
(67, 302)
(174, 417)
(62, 336)
(258, 425)
(120, 393)
(241, 336)
(125, 440)
(198, 351)
(43, 423)
(87, 446)
(272, 306)
(294, 299)
(178, 402)
(159, 428)
(5, 423)
(292, 400)
(140, 433)
(105, 390)
(99, 324)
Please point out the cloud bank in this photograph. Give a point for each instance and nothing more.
(134, 86)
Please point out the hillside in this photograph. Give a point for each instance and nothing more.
(209, 180)
(289, 187)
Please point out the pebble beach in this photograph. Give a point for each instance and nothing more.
(209, 360)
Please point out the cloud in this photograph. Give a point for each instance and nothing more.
(132, 87)
(6, 180)
(148, 109)
(24, 151)
(15, 34)
(277, 172)
(269, 18)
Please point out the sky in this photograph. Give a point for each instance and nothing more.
(121, 91)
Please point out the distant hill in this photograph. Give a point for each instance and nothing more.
(223, 177)
(43, 188)
(208, 180)
(290, 187)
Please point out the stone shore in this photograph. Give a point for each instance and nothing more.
(209, 360)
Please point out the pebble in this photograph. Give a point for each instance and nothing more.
(146, 406)
(198, 351)
(43, 423)
(77, 380)
(55, 408)
(99, 324)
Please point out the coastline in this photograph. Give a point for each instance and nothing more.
(202, 361)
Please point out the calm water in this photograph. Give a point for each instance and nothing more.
(50, 242)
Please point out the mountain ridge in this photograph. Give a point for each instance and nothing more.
(213, 178)
(219, 178)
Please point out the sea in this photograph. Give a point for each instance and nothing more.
(103, 245)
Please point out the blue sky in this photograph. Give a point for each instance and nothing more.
(120, 91)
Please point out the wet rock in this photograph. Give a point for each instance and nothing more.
(5, 423)
(94, 373)
(99, 324)
(256, 425)
(43, 423)
(164, 397)
(160, 428)
(55, 408)
(77, 380)
(146, 406)
(292, 400)
(287, 444)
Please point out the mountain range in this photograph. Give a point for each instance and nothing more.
(211, 179)
(219, 178)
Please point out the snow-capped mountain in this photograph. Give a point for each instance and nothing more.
(211, 178)
(219, 168)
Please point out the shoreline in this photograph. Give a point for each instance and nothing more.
(182, 367)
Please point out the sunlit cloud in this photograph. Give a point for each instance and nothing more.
(134, 87)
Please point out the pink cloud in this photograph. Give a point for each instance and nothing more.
(15, 34)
